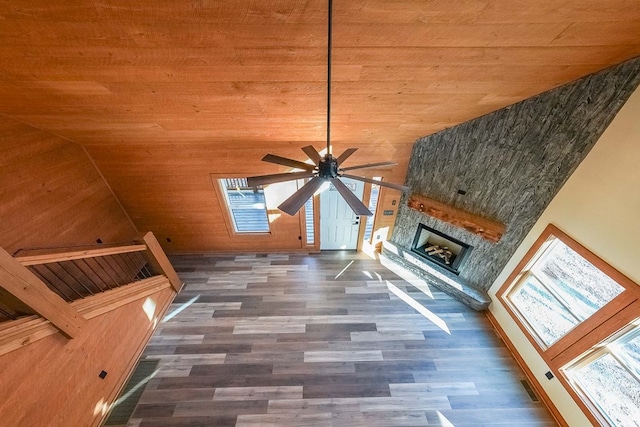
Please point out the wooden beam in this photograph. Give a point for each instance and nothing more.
(25, 286)
(483, 227)
(159, 261)
(80, 254)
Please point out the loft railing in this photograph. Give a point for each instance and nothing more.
(46, 291)
(80, 273)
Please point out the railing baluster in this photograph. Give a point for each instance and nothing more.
(62, 265)
(131, 272)
(105, 268)
(146, 270)
(95, 274)
(8, 314)
(126, 258)
(77, 269)
(61, 280)
(37, 269)
(115, 270)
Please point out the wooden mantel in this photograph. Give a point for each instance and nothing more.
(483, 227)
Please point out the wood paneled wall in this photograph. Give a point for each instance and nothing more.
(55, 382)
(51, 194)
(178, 199)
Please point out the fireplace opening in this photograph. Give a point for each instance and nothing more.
(439, 248)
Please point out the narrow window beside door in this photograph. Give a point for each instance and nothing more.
(373, 205)
(308, 222)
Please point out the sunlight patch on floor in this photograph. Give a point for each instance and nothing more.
(435, 319)
(444, 422)
(180, 309)
(343, 270)
(408, 276)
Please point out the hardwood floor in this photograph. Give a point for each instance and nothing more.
(325, 340)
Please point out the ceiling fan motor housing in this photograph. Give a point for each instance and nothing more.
(328, 167)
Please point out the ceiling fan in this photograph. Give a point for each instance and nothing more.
(324, 168)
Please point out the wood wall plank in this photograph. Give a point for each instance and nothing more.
(54, 381)
(51, 195)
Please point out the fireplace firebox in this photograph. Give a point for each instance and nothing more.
(439, 248)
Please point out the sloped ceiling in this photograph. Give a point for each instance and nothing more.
(163, 94)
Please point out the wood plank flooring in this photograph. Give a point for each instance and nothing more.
(325, 339)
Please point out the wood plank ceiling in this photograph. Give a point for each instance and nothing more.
(162, 95)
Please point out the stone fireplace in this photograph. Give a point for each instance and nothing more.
(440, 248)
(500, 169)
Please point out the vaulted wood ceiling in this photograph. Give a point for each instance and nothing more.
(163, 94)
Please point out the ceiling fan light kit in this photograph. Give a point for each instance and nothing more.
(324, 168)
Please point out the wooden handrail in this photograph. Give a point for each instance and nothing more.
(78, 254)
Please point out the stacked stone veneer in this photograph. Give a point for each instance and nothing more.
(511, 163)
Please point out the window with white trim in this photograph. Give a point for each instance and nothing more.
(246, 205)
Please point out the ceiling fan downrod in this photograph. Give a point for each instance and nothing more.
(324, 168)
(329, 46)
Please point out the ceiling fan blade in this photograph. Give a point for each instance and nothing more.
(271, 158)
(373, 181)
(369, 165)
(348, 152)
(254, 181)
(312, 153)
(297, 199)
(352, 200)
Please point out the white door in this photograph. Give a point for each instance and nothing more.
(339, 226)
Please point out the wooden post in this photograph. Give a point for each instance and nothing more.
(31, 291)
(159, 261)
